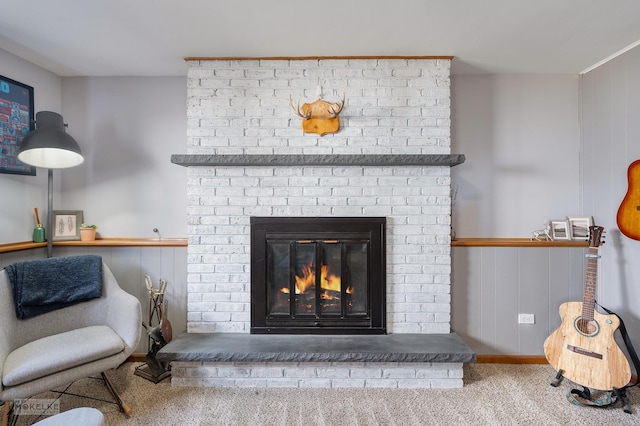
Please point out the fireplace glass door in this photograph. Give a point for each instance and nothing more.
(318, 276)
(323, 278)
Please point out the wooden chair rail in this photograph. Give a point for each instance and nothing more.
(513, 242)
(100, 242)
(182, 242)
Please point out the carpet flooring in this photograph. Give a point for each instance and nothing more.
(494, 394)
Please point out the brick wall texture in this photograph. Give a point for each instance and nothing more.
(393, 106)
(318, 375)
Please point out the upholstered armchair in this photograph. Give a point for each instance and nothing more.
(58, 347)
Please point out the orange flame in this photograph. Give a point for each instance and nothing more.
(328, 281)
(307, 281)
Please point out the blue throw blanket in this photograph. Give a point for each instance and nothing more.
(41, 286)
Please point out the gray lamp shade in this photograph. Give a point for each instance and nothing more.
(49, 146)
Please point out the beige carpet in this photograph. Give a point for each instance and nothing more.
(494, 394)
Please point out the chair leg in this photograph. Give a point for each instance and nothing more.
(123, 406)
(6, 409)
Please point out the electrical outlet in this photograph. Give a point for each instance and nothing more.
(526, 319)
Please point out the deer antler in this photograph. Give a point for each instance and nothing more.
(297, 110)
(335, 113)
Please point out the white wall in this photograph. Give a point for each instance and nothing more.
(19, 194)
(127, 127)
(521, 138)
(492, 285)
(611, 141)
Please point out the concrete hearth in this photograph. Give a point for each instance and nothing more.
(242, 347)
(247, 360)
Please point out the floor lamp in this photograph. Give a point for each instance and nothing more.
(50, 147)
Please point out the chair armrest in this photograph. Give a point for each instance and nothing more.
(123, 312)
(7, 317)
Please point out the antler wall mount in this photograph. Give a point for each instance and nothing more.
(319, 117)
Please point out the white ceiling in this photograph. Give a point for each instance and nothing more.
(152, 37)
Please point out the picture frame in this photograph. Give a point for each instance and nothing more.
(560, 229)
(580, 227)
(16, 120)
(66, 225)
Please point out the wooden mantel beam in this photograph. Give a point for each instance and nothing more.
(308, 58)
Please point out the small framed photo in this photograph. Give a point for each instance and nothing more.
(66, 225)
(560, 229)
(580, 227)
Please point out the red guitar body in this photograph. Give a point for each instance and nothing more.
(628, 217)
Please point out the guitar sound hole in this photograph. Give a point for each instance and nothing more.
(586, 327)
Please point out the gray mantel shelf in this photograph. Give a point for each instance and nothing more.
(204, 160)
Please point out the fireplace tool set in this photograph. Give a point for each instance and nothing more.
(158, 335)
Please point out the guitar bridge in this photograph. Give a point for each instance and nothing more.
(584, 352)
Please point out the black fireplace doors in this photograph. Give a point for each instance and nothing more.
(318, 275)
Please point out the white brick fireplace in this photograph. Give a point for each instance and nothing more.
(395, 107)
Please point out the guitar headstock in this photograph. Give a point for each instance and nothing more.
(595, 236)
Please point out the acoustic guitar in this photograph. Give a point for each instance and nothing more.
(628, 217)
(583, 348)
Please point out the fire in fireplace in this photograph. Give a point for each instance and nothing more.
(318, 275)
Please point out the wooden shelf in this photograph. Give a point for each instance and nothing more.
(100, 242)
(513, 242)
(127, 242)
(182, 242)
(24, 245)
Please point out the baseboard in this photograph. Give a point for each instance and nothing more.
(511, 359)
(137, 357)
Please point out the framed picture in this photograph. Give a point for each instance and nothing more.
(560, 229)
(16, 120)
(580, 227)
(66, 225)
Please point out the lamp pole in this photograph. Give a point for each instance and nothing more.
(50, 214)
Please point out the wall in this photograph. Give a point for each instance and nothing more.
(611, 135)
(521, 137)
(19, 194)
(127, 128)
(492, 285)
